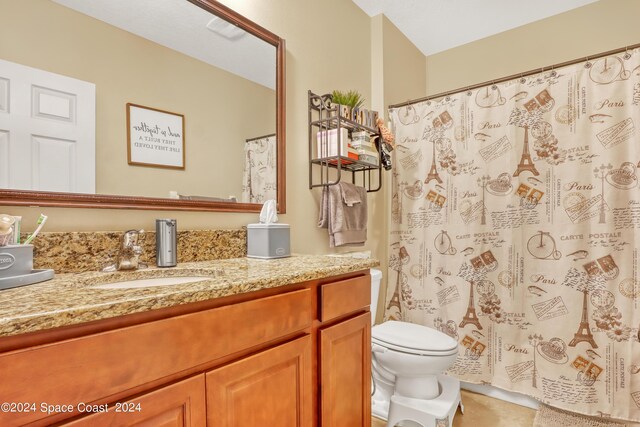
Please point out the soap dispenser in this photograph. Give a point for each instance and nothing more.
(166, 243)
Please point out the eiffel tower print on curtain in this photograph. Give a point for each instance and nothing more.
(526, 164)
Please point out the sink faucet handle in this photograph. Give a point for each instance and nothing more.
(130, 237)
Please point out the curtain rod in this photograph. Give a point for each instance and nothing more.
(259, 137)
(515, 76)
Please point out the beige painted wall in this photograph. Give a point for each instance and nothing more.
(328, 47)
(398, 73)
(405, 68)
(221, 110)
(597, 27)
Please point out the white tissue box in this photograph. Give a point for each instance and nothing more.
(268, 241)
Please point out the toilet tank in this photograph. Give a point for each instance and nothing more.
(376, 278)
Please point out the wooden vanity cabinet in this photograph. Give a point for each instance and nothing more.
(298, 355)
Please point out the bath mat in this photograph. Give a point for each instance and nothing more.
(547, 416)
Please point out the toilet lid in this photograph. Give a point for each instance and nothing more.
(412, 338)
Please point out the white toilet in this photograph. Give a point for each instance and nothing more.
(407, 363)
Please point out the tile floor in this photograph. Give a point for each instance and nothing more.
(483, 411)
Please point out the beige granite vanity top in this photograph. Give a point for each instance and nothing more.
(71, 299)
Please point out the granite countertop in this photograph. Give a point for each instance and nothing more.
(71, 299)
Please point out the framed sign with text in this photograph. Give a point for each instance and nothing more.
(155, 138)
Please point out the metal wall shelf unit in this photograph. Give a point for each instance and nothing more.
(323, 117)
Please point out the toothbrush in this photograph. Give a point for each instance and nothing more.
(41, 220)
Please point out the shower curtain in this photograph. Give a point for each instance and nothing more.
(516, 230)
(259, 177)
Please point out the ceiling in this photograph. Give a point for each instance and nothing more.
(437, 25)
(176, 24)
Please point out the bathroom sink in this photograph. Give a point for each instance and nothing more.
(149, 283)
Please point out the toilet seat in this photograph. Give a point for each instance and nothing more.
(414, 351)
(413, 339)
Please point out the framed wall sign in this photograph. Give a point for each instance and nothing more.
(155, 138)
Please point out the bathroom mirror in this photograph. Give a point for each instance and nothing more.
(144, 104)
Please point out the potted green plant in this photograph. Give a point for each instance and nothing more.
(349, 102)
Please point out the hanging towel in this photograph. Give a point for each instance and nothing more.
(352, 194)
(343, 211)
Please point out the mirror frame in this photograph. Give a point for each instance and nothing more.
(73, 200)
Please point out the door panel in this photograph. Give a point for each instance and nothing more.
(48, 103)
(4, 159)
(4, 95)
(53, 162)
(271, 388)
(345, 373)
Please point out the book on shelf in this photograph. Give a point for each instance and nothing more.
(369, 155)
(327, 144)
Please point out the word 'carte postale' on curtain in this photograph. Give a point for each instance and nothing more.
(516, 230)
(259, 177)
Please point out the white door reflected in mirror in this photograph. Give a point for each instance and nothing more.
(47, 131)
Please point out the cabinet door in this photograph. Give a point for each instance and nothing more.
(180, 404)
(345, 373)
(271, 388)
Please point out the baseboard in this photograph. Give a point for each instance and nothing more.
(498, 393)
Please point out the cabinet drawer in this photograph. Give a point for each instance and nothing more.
(94, 367)
(344, 297)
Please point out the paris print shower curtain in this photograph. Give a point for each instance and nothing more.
(516, 230)
(259, 176)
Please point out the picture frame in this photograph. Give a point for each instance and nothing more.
(155, 138)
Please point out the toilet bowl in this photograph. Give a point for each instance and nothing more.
(407, 359)
(415, 355)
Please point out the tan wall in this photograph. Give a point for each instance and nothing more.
(127, 68)
(328, 47)
(398, 74)
(597, 27)
(405, 68)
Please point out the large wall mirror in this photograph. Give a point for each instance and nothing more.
(148, 104)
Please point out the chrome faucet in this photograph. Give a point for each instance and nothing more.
(129, 251)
